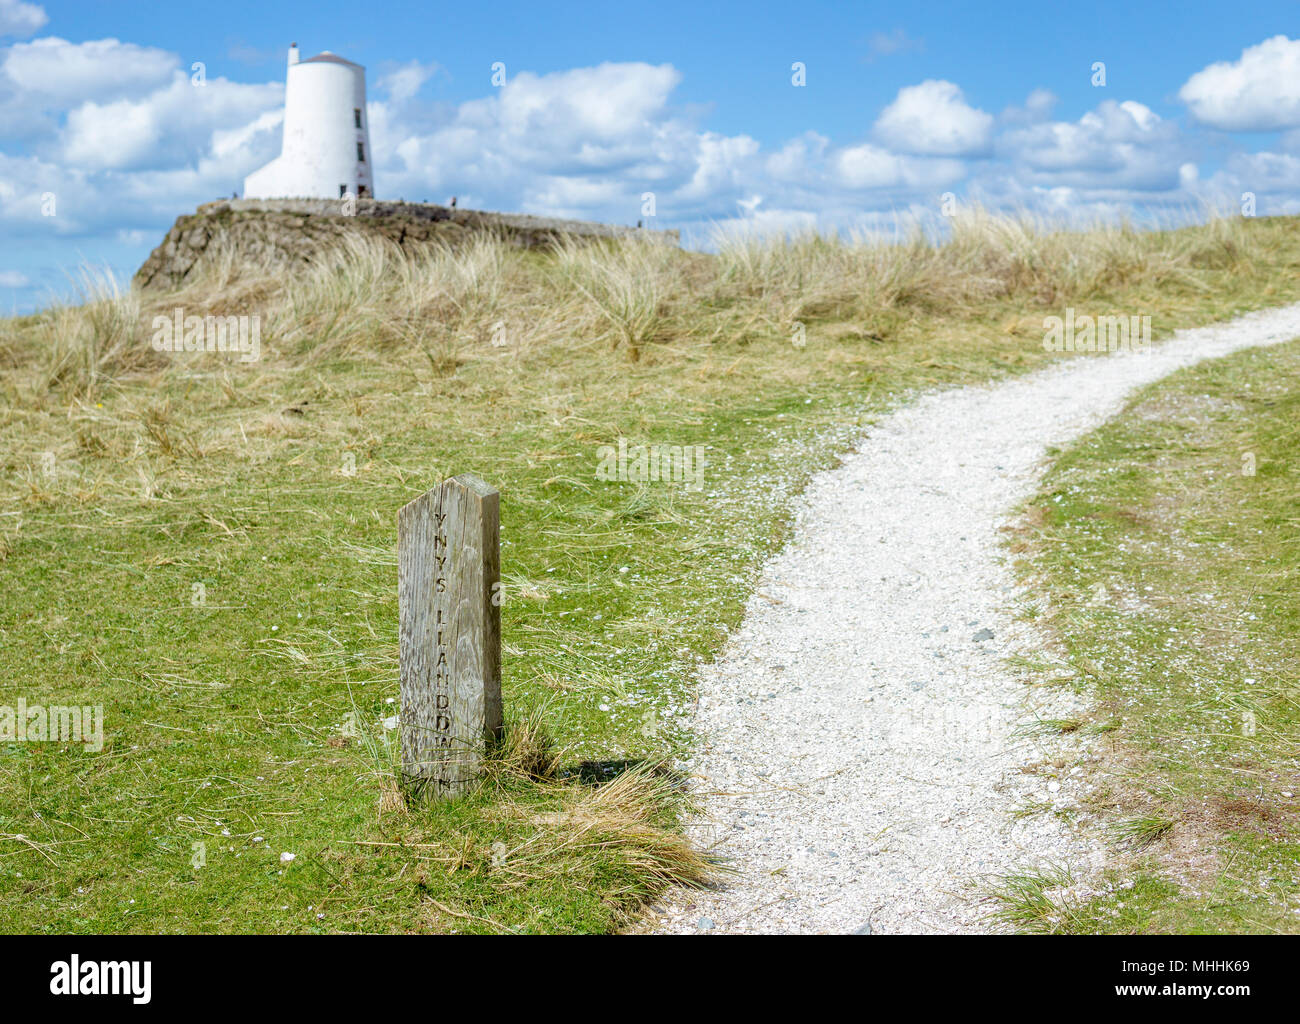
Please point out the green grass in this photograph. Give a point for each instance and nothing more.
(1192, 659)
(1035, 902)
(251, 722)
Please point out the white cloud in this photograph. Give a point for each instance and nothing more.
(1263, 172)
(795, 160)
(171, 126)
(13, 279)
(1142, 116)
(933, 119)
(113, 135)
(1117, 145)
(1259, 92)
(610, 101)
(1040, 103)
(722, 163)
(234, 143)
(404, 81)
(51, 70)
(870, 167)
(1037, 108)
(582, 142)
(23, 182)
(20, 19)
(576, 194)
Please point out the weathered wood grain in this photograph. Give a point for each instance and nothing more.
(448, 560)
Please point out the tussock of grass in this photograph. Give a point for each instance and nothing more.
(1036, 902)
(552, 829)
(527, 751)
(1051, 726)
(634, 814)
(81, 347)
(1140, 832)
(627, 284)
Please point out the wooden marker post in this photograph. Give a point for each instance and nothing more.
(448, 568)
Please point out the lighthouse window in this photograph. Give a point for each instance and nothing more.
(356, 116)
(361, 152)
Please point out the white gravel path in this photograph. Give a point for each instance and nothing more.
(860, 758)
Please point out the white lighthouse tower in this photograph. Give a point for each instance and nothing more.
(326, 148)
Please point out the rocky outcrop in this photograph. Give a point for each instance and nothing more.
(287, 231)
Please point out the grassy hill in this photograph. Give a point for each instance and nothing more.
(207, 547)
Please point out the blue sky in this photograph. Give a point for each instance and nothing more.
(693, 101)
